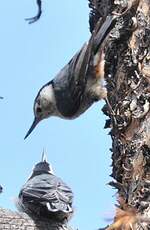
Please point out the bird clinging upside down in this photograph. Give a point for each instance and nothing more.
(79, 84)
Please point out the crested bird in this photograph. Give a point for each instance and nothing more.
(79, 84)
(45, 195)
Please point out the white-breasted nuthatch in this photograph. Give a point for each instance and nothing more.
(79, 84)
(45, 195)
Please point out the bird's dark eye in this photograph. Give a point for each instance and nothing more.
(39, 110)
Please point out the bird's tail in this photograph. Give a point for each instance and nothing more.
(101, 31)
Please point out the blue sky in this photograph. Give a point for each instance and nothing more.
(78, 150)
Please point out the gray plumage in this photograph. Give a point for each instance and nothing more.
(45, 195)
(79, 84)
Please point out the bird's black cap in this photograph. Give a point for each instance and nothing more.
(43, 166)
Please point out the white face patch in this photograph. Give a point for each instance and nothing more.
(48, 93)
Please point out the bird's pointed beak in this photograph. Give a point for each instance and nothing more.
(34, 124)
(44, 158)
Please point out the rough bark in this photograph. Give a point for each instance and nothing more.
(127, 73)
(19, 220)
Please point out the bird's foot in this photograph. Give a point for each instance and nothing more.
(36, 18)
(112, 113)
(99, 92)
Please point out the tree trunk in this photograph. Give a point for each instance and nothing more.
(127, 73)
(19, 220)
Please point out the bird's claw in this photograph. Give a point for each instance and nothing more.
(33, 19)
(37, 17)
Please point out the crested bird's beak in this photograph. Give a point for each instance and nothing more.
(44, 158)
(34, 124)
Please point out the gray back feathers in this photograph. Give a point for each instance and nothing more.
(47, 196)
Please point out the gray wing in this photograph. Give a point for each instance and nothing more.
(71, 81)
(49, 191)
